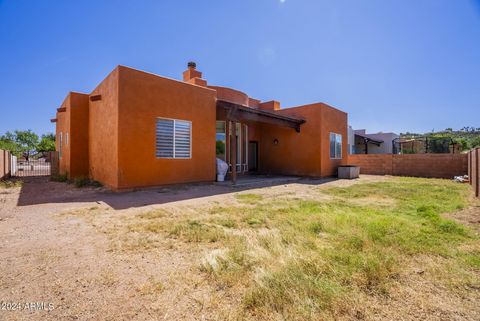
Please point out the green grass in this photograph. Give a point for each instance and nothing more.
(307, 259)
(323, 253)
(248, 198)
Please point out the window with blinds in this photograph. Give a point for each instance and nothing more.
(173, 138)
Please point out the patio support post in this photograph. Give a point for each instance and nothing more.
(233, 151)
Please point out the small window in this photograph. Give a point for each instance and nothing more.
(66, 138)
(173, 138)
(335, 146)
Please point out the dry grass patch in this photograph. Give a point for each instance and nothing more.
(334, 255)
(151, 287)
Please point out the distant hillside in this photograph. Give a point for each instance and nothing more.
(467, 137)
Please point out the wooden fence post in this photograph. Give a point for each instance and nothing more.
(477, 176)
(8, 163)
(470, 166)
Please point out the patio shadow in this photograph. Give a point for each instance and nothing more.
(40, 190)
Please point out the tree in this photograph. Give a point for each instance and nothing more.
(47, 143)
(7, 142)
(20, 142)
(462, 142)
(475, 142)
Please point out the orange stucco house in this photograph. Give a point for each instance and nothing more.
(138, 129)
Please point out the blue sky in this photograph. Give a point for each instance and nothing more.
(393, 65)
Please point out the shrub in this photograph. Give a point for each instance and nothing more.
(11, 183)
(84, 182)
(59, 178)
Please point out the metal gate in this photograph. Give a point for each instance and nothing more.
(42, 164)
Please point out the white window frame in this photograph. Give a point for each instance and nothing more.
(191, 140)
(335, 148)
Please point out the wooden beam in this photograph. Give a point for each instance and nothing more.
(53, 120)
(62, 109)
(233, 152)
(240, 113)
(95, 97)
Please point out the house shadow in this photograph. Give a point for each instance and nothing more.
(40, 190)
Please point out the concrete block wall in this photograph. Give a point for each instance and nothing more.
(417, 165)
(373, 164)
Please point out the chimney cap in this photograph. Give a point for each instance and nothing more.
(192, 64)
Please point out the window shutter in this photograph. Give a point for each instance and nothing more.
(165, 135)
(182, 139)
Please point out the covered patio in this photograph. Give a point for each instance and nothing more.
(365, 140)
(240, 114)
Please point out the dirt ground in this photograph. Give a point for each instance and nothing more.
(66, 260)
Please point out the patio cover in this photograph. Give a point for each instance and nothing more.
(367, 139)
(241, 113)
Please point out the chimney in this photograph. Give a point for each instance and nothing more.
(270, 105)
(193, 76)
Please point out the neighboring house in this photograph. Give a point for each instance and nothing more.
(426, 144)
(379, 143)
(138, 129)
(351, 140)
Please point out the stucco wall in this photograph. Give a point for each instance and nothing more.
(306, 153)
(295, 153)
(144, 97)
(230, 94)
(63, 127)
(103, 132)
(332, 121)
(78, 135)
